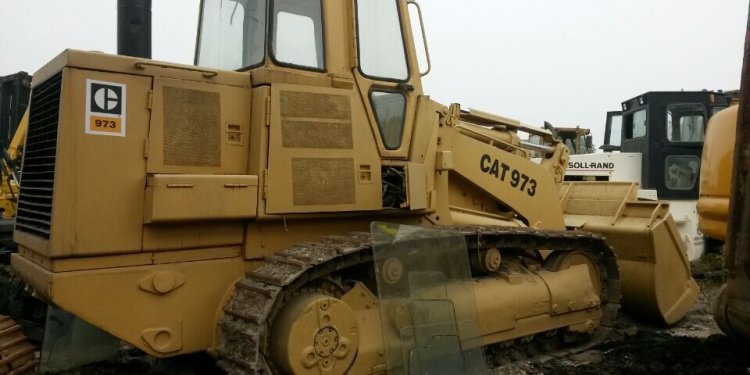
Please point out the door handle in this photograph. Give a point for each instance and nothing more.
(408, 87)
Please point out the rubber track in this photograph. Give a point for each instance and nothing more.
(259, 296)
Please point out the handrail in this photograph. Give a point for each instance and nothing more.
(424, 38)
(206, 72)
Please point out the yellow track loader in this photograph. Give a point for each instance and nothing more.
(295, 203)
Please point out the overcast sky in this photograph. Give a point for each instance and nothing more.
(566, 62)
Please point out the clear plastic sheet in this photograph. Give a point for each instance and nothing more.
(427, 301)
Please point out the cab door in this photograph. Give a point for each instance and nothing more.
(386, 73)
(612, 132)
(677, 155)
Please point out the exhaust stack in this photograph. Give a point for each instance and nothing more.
(134, 28)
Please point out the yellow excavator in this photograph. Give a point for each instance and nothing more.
(295, 203)
(17, 355)
(10, 170)
(14, 118)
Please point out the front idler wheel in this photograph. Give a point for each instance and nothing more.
(315, 334)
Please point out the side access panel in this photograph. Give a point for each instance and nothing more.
(198, 130)
(322, 157)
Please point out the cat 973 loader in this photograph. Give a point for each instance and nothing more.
(196, 208)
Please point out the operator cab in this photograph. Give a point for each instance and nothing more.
(667, 129)
(341, 84)
(305, 42)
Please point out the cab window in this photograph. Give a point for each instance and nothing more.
(686, 122)
(381, 46)
(681, 171)
(297, 35)
(390, 113)
(635, 124)
(615, 132)
(232, 34)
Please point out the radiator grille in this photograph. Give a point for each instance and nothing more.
(38, 176)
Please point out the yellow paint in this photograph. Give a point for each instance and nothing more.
(716, 173)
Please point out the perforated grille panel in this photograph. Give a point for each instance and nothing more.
(37, 183)
(311, 120)
(308, 104)
(318, 181)
(192, 128)
(308, 134)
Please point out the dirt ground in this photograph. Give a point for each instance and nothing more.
(693, 346)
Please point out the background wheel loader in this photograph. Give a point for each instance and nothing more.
(658, 137)
(279, 215)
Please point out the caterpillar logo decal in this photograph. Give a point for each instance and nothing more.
(105, 108)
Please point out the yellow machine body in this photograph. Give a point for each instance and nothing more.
(170, 205)
(716, 173)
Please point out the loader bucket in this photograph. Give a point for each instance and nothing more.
(654, 268)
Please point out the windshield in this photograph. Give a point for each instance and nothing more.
(635, 124)
(232, 34)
